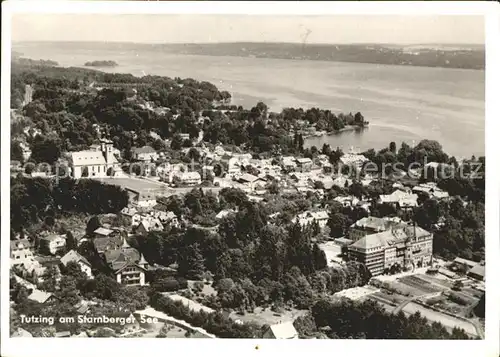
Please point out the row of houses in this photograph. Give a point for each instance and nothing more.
(22, 255)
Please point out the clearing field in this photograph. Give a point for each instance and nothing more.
(145, 185)
(403, 289)
(422, 285)
(262, 317)
(436, 280)
(471, 292)
(388, 299)
(135, 184)
(448, 321)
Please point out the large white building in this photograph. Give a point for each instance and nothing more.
(90, 163)
(405, 246)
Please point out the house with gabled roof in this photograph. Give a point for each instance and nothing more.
(52, 243)
(40, 296)
(127, 264)
(304, 164)
(148, 225)
(401, 199)
(309, 217)
(281, 331)
(145, 153)
(75, 257)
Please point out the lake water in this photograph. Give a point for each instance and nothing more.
(402, 103)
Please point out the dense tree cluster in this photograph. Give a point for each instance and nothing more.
(215, 323)
(64, 104)
(269, 132)
(253, 262)
(36, 200)
(367, 320)
(102, 63)
(463, 233)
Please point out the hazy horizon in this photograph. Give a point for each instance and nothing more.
(206, 29)
(269, 42)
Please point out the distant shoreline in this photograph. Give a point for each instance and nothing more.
(101, 64)
(345, 129)
(438, 56)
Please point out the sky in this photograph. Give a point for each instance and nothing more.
(335, 29)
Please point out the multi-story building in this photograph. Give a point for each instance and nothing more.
(52, 243)
(20, 252)
(406, 246)
(190, 178)
(127, 264)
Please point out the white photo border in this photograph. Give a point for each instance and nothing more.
(135, 347)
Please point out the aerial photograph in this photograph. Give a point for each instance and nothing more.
(247, 176)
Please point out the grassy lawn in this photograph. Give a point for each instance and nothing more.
(134, 184)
